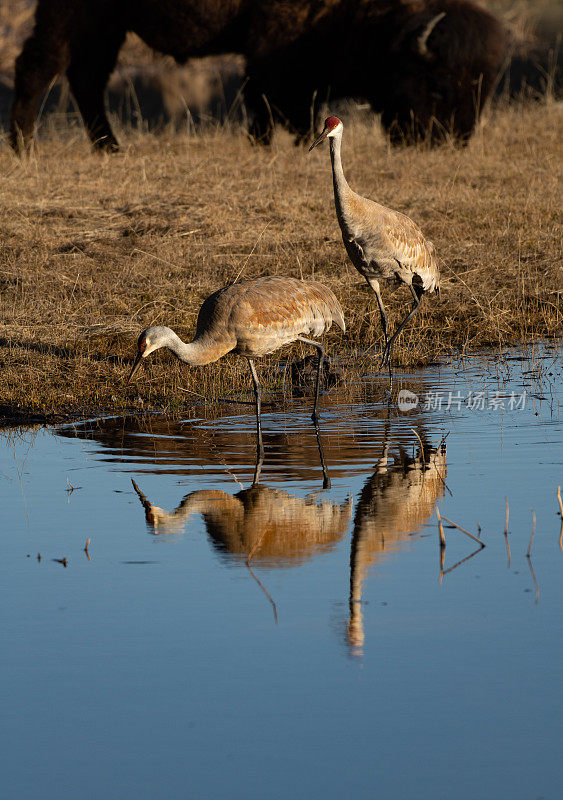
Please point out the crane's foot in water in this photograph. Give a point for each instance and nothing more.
(385, 357)
(386, 362)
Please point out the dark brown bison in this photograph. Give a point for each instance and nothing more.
(426, 65)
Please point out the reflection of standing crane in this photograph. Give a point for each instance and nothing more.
(252, 319)
(382, 244)
(395, 502)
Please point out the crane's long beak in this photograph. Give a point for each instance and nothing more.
(136, 366)
(319, 139)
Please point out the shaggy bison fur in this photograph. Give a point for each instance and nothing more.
(426, 65)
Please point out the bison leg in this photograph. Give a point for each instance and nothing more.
(36, 66)
(91, 64)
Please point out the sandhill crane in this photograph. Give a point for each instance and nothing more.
(252, 318)
(381, 243)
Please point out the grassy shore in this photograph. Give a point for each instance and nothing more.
(95, 248)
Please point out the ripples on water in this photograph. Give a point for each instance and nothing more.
(298, 636)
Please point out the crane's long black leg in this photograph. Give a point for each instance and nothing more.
(320, 348)
(315, 416)
(374, 286)
(417, 294)
(258, 399)
(385, 333)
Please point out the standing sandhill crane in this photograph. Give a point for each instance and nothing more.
(251, 319)
(381, 243)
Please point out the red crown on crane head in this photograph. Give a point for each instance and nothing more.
(331, 123)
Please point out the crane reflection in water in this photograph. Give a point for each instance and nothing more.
(396, 501)
(258, 524)
(273, 529)
(270, 528)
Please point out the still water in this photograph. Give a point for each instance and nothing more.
(300, 637)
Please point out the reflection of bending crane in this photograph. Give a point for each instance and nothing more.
(258, 524)
(395, 502)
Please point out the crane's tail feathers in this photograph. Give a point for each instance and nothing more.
(328, 306)
(339, 320)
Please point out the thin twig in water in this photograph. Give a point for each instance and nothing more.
(441, 443)
(255, 546)
(506, 533)
(506, 518)
(443, 439)
(86, 549)
(532, 534)
(537, 588)
(442, 559)
(421, 449)
(561, 513)
(475, 539)
(261, 585)
(462, 561)
(441, 531)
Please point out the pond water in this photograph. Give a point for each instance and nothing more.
(300, 637)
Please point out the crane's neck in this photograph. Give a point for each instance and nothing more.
(202, 350)
(341, 188)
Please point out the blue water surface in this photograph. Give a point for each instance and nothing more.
(222, 641)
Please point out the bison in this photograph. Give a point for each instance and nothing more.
(426, 65)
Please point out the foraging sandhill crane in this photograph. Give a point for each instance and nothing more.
(252, 318)
(396, 501)
(382, 244)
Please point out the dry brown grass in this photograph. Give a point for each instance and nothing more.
(95, 248)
